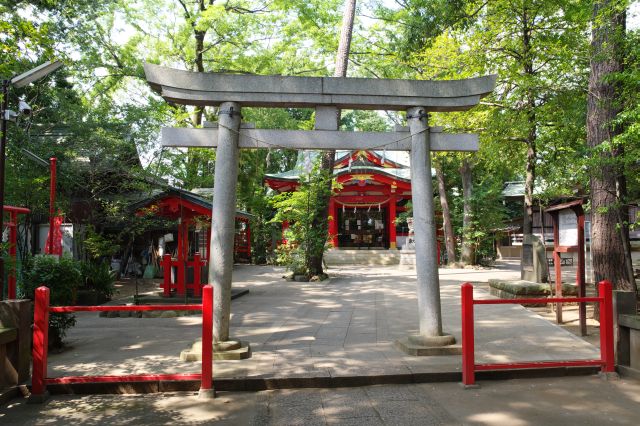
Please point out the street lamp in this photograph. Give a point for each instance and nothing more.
(7, 115)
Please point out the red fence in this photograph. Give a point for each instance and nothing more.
(41, 339)
(469, 367)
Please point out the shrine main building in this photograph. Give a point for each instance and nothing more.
(375, 190)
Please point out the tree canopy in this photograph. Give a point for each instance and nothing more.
(102, 121)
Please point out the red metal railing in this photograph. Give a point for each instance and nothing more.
(469, 367)
(41, 339)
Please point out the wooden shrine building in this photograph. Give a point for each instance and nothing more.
(188, 253)
(375, 190)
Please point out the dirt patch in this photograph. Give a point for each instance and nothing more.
(126, 287)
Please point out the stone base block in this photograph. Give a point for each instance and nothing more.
(407, 259)
(206, 394)
(608, 376)
(522, 289)
(429, 346)
(473, 386)
(38, 399)
(232, 349)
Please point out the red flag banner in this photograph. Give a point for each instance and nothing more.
(57, 237)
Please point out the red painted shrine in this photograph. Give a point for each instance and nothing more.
(188, 255)
(374, 191)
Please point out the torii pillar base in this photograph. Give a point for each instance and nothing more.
(233, 349)
(417, 345)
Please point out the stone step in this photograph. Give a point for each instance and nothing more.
(362, 257)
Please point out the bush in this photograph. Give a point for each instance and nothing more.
(98, 277)
(62, 276)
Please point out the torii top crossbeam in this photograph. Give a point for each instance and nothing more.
(201, 88)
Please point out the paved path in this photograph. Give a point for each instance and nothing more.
(342, 328)
(558, 401)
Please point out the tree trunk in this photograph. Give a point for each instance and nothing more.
(446, 215)
(328, 157)
(609, 237)
(468, 251)
(526, 62)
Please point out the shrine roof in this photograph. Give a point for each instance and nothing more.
(516, 189)
(201, 202)
(294, 175)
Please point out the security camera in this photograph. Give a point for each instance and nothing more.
(24, 107)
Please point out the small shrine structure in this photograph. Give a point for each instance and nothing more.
(374, 191)
(184, 265)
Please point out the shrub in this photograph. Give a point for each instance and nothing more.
(98, 277)
(62, 276)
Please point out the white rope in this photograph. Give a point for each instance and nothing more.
(274, 145)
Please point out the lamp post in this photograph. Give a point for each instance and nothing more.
(7, 115)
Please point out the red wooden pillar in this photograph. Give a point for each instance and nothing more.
(556, 261)
(468, 355)
(333, 222)
(248, 239)
(40, 340)
(606, 327)
(392, 222)
(183, 249)
(207, 257)
(52, 200)
(206, 384)
(13, 241)
(197, 266)
(166, 275)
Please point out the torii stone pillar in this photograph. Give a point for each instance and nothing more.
(430, 339)
(223, 217)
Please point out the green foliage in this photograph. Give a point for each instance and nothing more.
(62, 276)
(98, 246)
(299, 209)
(98, 277)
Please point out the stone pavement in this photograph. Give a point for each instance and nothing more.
(556, 401)
(342, 328)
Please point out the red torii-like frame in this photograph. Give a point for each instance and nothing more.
(13, 244)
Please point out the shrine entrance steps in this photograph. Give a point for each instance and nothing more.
(372, 257)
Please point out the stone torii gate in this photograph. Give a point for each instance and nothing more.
(327, 95)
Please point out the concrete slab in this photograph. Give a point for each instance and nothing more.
(556, 401)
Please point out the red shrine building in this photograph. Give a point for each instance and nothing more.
(185, 253)
(375, 190)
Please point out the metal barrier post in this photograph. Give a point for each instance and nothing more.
(206, 384)
(606, 327)
(40, 341)
(468, 356)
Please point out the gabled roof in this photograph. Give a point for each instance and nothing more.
(362, 161)
(186, 203)
(366, 158)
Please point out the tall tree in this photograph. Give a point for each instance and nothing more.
(610, 240)
(467, 256)
(328, 157)
(449, 237)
